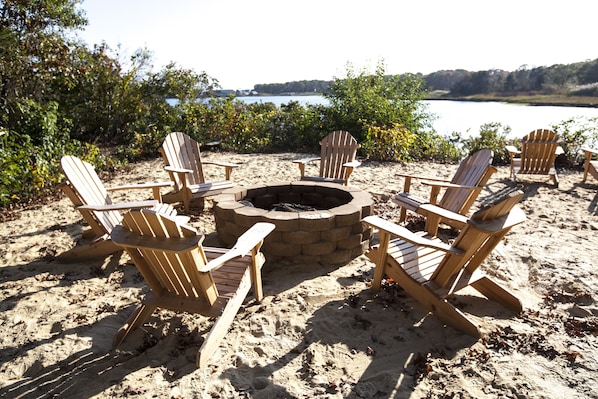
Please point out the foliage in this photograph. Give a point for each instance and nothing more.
(575, 134)
(431, 146)
(369, 105)
(492, 136)
(30, 164)
(388, 144)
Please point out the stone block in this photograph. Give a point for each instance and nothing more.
(336, 233)
(300, 237)
(284, 221)
(351, 242)
(318, 248)
(347, 215)
(316, 220)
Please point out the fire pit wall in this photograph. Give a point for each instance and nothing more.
(332, 234)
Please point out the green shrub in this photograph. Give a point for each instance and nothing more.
(492, 136)
(388, 144)
(576, 133)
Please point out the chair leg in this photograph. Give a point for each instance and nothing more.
(223, 323)
(100, 248)
(496, 293)
(441, 309)
(139, 316)
(453, 317)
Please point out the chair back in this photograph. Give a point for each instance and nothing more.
(168, 254)
(182, 152)
(84, 187)
(538, 152)
(482, 233)
(474, 170)
(338, 148)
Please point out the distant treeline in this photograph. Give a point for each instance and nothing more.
(579, 79)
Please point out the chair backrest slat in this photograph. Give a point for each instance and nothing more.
(538, 151)
(338, 148)
(88, 189)
(181, 151)
(176, 272)
(475, 170)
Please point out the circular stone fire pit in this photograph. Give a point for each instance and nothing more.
(330, 233)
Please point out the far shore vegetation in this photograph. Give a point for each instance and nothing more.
(58, 96)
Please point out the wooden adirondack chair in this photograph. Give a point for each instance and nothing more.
(91, 198)
(590, 166)
(337, 158)
(186, 277)
(184, 165)
(430, 270)
(539, 150)
(459, 195)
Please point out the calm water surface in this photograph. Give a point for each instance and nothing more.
(466, 117)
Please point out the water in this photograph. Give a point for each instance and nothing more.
(466, 117)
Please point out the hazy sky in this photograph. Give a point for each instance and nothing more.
(246, 42)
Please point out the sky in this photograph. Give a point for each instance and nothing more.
(242, 43)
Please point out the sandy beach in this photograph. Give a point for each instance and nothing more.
(320, 331)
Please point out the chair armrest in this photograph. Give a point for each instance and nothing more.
(559, 150)
(244, 245)
(589, 151)
(403, 233)
(450, 185)
(306, 160)
(430, 209)
(421, 177)
(352, 164)
(177, 170)
(512, 150)
(223, 164)
(120, 206)
(141, 185)
(228, 167)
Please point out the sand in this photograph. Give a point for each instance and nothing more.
(320, 332)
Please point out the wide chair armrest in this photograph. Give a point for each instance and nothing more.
(223, 164)
(408, 178)
(451, 217)
(512, 149)
(177, 170)
(589, 152)
(559, 150)
(426, 178)
(352, 164)
(406, 235)
(141, 186)
(306, 160)
(120, 206)
(246, 243)
(450, 185)
(228, 167)
(155, 186)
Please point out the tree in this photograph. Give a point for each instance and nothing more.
(34, 50)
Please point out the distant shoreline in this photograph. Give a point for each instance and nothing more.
(535, 100)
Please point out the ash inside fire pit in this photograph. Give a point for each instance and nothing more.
(315, 222)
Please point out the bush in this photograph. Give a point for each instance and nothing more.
(388, 144)
(430, 146)
(576, 133)
(493, 136)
